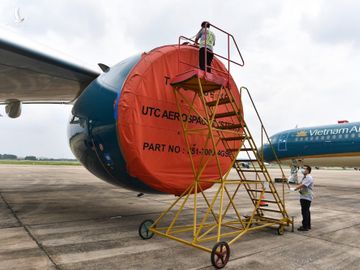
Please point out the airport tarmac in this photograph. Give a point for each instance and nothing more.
(62, 217)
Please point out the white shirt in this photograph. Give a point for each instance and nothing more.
(306, 192)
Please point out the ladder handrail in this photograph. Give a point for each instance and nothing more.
(230, 38)
(263, 129)
(216, 54)
(233, 39)
(191, 65)
(260, 161)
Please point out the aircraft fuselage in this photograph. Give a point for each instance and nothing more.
(331, 145)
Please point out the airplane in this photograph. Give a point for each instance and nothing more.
(124, 127)
(335, 145)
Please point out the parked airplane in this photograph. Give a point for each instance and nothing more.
(329, 146)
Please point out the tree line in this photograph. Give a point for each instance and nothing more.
(15, 157)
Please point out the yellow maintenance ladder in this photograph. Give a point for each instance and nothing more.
(214, 219)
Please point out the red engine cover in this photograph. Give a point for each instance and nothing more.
(149, 125)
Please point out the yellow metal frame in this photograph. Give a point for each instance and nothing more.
(216, 224)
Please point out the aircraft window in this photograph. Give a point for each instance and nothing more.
(353, 135)
(306, 138)
(317, 138)
(322, 137)
(301, 139)
(340, 136)
(346, 136)
(334, 136)
(359, 135)
(296, 139)
(328, 137)
(311, 138)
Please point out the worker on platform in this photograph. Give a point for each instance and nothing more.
(207, 40)
(306, 196)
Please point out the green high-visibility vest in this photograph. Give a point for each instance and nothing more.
(210, 39)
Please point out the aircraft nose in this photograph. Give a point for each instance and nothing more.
(266, 152)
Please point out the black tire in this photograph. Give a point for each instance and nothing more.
(280, 230)
(144, 229)
(220, 255)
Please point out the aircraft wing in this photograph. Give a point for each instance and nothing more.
(31, 76)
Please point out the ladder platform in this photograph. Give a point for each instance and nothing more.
(189, 81)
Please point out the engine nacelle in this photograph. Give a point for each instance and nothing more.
(92, 128)
(125, 127)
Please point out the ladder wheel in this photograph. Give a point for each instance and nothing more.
(280, 230)
(144, 229)
(220, 255)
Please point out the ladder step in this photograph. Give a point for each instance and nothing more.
(221, 101)
(246, 180)
(267, 218)
(247, 160)
(254, 181)
(226, 114)
(255, 171)
(209, 89)
(246, 149)
(235, 126)
(259, 190)
(268, 201)
(269, 210)
(280, 180)
(237, 138)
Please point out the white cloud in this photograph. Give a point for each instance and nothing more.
(336, 22)
(302, 58)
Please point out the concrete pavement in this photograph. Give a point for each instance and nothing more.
(62, 217)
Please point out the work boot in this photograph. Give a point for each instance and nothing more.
(302, 229)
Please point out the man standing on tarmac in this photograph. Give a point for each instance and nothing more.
(206, 37)
(306, 196)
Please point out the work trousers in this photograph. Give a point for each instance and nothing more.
(305, 212)
(209, 58)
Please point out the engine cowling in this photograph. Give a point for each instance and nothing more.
(125, 127)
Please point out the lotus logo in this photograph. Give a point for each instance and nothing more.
(301, 133)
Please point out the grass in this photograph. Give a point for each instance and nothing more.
(39, 162)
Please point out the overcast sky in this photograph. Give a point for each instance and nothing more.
(302, 57)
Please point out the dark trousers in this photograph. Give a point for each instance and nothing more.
(305, 212)
(209, 58)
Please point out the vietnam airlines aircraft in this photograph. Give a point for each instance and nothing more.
(330, 146)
